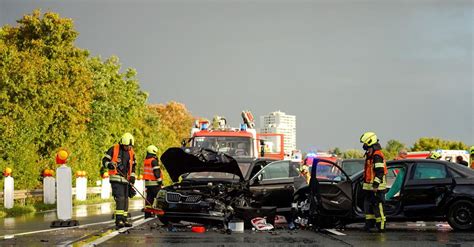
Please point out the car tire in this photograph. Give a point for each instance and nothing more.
(461, 215)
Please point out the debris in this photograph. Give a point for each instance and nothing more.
(261, 224)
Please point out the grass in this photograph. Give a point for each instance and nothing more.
(18, 210)
(93, 200)
(36, 205)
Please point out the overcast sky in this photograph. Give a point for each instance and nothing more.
(403, 69)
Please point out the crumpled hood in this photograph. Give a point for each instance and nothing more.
(179, 161)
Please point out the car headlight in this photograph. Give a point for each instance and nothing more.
(161, 194)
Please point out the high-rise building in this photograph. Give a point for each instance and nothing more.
(279, 122)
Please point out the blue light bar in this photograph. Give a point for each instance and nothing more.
(243, 127)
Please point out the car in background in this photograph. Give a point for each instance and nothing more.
(417, 189)
(351, 166)
(213, 187)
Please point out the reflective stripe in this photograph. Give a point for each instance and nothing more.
(119, 212)
(369, 216)
(125, 213)
(379, 165)
(156, 167)
(377, 180)
(151, 183)
(108, 156)
(369, 186)
(117, 178)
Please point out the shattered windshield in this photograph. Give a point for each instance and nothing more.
(232, 146)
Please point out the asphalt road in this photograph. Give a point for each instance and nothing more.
(152, 233)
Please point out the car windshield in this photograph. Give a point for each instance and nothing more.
(244, 167)
(233, 146)
(351, 167)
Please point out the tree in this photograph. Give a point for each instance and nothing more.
(392, 148)
(352, 154)
(433, 143)
(53, 94)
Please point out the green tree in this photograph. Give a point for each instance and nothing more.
(392, 148)
(352, 154)
(433, 143)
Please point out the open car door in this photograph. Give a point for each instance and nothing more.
(330, 189)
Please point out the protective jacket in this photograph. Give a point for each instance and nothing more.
(151, 171)
(375, 170)
(125, 161)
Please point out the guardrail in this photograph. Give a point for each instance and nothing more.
(22, 195)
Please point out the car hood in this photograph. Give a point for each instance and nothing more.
(179, 161)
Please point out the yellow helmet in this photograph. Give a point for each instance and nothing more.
(152, 149)
(435, 155)
(127, 139)
(471, 150)
(368, 138)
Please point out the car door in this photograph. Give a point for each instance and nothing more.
(330, 189)
(274, 185)
(426, 188)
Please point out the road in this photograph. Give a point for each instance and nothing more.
(85, 214)
(152, 233)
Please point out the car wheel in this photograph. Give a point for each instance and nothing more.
(460, 215)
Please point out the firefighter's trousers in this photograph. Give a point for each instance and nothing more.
(120, 194)
(151, 192)
(373, 208)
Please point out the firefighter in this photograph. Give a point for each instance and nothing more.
(120, 162)
(375, 183)
(152, 175)
(434, 156)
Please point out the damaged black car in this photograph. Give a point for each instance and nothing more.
(212, 187)
(417, 190)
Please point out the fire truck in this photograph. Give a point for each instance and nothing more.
(448, 155)
(240, 143)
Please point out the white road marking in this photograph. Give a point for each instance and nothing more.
(7, 236)
(117, 232)
(335, 232)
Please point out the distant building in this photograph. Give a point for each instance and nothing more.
(279, 122)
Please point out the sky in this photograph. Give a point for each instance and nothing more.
(403, 69)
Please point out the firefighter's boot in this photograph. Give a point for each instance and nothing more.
(119, 222)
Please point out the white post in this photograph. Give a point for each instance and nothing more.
(140, 185)
(64, 192)
(8, 192)
(81, 188)
(49, 190)
(105, 188)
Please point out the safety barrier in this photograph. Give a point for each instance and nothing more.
(22, 195)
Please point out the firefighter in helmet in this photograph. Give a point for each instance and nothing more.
(434, 156)
(120, 162)
(153, 177)
(375, 171)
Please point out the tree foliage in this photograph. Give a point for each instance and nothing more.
(433, 143)
(352, 154)
(53, 94)
(392, 148)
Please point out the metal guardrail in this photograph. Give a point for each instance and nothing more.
(23, 194)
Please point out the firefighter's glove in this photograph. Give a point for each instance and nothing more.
(157, 173)
(131, 191)
(111, 165)
(132, 179)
